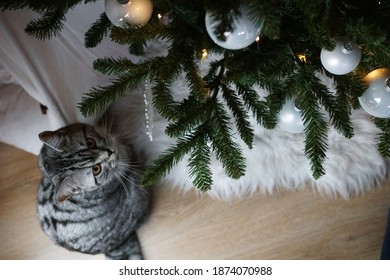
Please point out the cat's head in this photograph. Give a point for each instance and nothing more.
(79, 159)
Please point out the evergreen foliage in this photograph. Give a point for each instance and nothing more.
(221, 100)
(97, 32)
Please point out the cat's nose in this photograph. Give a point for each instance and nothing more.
(111, 158)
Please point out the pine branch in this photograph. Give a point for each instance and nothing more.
(137, 49)
(342, 119)
(382, 54)
(226, 150)
(15, 5)
(349, 88)
(169, 67)
(260, 109)
(138, 35)
(316, 129)
(46, 26)
(190, 114)
(186, 12)
(52, 19)
(169, 158)
(163, 100)
(318, 19)
(267, 13)
(98, 99)
(199, 163)
(198, 86)
(166, 71)
(120, 66)
(338, 107)
(39, 6)
(97, 31)
(316, 134)
(241, 117)
(384, 136)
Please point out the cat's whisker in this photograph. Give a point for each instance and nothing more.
(130, 174)
(111, 124)
(104, 125)
(133, 182)
(130, 169)
(131, 162)
(122, 183)
(121, 131)
(129, 179)
(105, 128)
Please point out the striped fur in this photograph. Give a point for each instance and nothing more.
(89, 199)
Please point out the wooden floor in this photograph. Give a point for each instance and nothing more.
(287, 225)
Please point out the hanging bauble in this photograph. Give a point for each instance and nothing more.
(133, 12)
(376, 99)
(343, 59)
(289, 118)
(244, 33)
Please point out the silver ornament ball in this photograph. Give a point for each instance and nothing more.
(244, 34)
(344, 58)
(289, 118)
(134, 12)
(376, 99)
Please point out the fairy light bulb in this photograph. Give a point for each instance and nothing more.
(204, 54)
(302, 57)
(133, 12)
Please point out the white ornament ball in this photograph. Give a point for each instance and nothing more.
(376, 99)
(134, 12)
(245, 30)
(289, 118)
(343, 59)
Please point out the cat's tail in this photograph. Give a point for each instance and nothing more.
(129, 250)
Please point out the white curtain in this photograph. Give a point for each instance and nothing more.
(52, 73)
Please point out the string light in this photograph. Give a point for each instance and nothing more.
(302, 57)
(204, 54)
(159, 16)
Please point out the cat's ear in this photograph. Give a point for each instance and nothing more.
(67, 188)
(51, 139)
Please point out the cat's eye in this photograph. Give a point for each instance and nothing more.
(91, 144)
(96, 169)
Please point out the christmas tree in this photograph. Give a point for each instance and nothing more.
(282, 46)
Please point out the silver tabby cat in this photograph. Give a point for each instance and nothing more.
(89, 199)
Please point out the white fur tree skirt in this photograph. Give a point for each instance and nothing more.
(276, 161)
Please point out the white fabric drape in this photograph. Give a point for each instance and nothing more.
(54, 73)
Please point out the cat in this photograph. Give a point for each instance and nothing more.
(89, 199)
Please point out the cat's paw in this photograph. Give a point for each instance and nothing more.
(123, 256)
